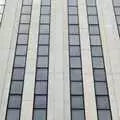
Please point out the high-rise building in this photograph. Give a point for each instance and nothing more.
(59, 59)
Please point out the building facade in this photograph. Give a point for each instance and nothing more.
(59, 59)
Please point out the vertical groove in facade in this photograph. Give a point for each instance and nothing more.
(75, 63)
(99, 72)
(17, 79)
(116, 6)
(42, 65)
(2, 7)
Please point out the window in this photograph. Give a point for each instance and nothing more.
(16, 87)
(11, 113)
(39, 115)
(103, 102)
(104, 115)
(42, 62)
(74, 51)
(41, 88)
(41, 74)
(21, 50)
(43, 50)
(75, 62)
(76, 88)
(78, 115)
(98, 62)
(77, 101)
(40, 102)
(76, 74)
(14, 101)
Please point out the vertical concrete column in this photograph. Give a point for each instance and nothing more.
(8, 37)
(67, 114)
(111, 49)
(56, 78)
(28, 91)
(88, 82)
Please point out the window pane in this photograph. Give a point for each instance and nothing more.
(26, 9)
(40, 101)
(77, 101)
(22, 39)
(73, 29)
(13, 114)
(16, 87)
(91, 2)
(39, 115)
(25, 18)
(45, 2)
(14, 101)
(73, 19)
(76, 74)
(72, 2)
(21, 50)
(18, 74)
(104, 115)
(72, 10)
(44, 28)
(101, 88)
(92, 19)
(96, 51)
(74, 51)
(75, 62)
(27, 2)
(99, 75)
(78, 115)
(41, 74)
(43, 50)
(76, 88)
(19, 61)
(42, 62)
(45, 19)
(94, 29)
(43, 39)
(74, 39)
(45, 10)
(102, 102)
(41, 88)
(98, 62)
(92, 10)
(24, 28)
(95, 40)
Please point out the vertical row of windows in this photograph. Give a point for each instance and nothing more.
(42, 67)
(75, 67)
(100, 82)
(17, 80)
(2, 7)
(116, 6)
